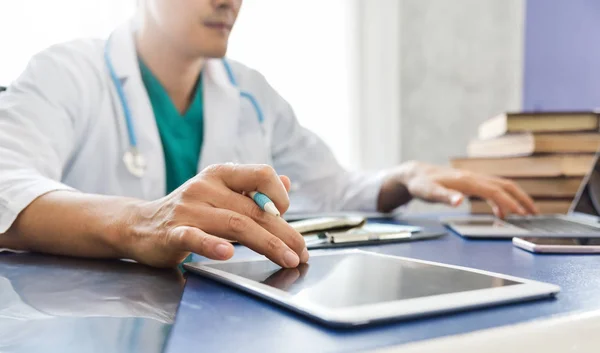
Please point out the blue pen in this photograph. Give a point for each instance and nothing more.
(264, 202)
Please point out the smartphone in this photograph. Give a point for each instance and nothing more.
(559, 245)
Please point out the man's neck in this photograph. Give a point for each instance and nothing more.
(177, 72)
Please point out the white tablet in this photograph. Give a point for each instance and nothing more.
(353, 287)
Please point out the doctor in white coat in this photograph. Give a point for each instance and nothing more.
(85, 159)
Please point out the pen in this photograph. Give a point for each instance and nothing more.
(264, 202)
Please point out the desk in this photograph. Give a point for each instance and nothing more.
(63, 305)
(220, 319)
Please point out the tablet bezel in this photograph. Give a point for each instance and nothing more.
(392, 310)
(554, 249)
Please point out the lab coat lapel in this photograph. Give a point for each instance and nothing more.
(125, 61)
(221, 116)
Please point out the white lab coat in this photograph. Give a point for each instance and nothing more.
(62, 127)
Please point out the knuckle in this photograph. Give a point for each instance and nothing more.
(198, 186)
(511, 185)
(185, 236)
(174, 237)
(460, 176)
(237, 223)
(254, 212)
(211, 169)
(297, 242)
(496, 192)
(199, 190)
(469, 178)
(200, 183)
(274, 244)
(179, 208)
(217, 169)
(203, 244)
(265, 172)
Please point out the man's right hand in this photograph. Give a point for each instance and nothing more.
(208, 210)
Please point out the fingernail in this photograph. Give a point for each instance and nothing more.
(290, 259)
(496, 211)
(222, 250)
(456, 199)
(304, 256)
(522, 211)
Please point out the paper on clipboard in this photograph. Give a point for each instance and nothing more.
(370, 233)
(315, 225)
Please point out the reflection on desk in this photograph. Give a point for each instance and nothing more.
(57, 304)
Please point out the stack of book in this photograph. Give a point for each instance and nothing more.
(547, 154)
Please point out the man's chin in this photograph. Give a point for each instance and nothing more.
(214, 52)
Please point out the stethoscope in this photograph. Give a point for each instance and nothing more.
(134, 160)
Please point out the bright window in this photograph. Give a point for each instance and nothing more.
(305, 49)
(29, 26)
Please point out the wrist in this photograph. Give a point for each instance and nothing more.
(406, 171)
(124, 229)
(394, 191)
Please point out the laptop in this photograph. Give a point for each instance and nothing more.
(582, 220)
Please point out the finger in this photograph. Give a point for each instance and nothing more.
(437, 193)
(283, 279)
(497, 211)
(234, 226)
(195, 240)
(520, 195)
(303, 268)
(253, 177)
(277, 226)
(503, 200)
(287, 183)
(483, 188)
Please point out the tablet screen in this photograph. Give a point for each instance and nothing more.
(352, 279)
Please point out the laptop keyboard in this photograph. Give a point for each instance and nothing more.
(553, 225)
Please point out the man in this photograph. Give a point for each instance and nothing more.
(94, 134)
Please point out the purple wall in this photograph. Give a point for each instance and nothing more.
(562, 55)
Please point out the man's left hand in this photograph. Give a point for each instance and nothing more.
(450, 186)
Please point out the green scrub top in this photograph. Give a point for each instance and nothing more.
(181, 135)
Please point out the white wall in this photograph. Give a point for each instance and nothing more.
(462, 63)
(379, 124)
(307, 50)
(29, 26)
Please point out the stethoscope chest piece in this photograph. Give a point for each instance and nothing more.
(135, 162)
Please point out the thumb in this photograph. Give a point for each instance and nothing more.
(287, 183)
(441, 194)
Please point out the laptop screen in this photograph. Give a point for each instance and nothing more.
(588, 198)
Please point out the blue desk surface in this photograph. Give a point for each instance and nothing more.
(216, 318)
(63, 305)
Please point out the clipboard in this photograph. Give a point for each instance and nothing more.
(321, 224)
(327, 241)
(327, 232)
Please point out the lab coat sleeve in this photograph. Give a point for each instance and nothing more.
(319, 182)
(37, 131)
